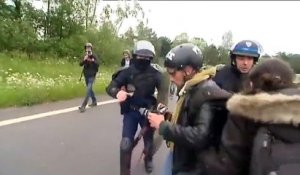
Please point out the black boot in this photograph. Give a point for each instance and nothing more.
(125, 156)
(148, 164)
(148, 152)
(125, 161)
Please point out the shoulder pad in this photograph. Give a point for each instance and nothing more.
(158, 67)
(117, 72)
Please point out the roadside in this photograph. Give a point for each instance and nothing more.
(17, 112)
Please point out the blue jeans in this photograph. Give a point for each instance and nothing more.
(89, 81)
(167, 167)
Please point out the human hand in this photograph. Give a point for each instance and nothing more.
(122, 95)
(86, 57)
(155, 119)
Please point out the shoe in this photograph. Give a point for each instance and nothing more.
(93, 104)
(81, 109)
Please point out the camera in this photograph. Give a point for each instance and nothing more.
(161, 109)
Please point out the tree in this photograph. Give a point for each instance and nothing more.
(181, 38)
(143, 32)
(165, 45)
(211, 55)
(227, 41)
(123, 12)
(200, 42)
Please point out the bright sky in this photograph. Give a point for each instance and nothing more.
(274, 24)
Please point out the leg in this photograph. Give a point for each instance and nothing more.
(86, 98)
(148, 146)
(91, 92)
(167, 168)
(130, 123)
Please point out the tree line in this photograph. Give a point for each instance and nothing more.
(63, 26)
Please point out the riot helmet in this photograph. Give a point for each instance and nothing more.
(143, 53)
(246, 48)
(144, 48)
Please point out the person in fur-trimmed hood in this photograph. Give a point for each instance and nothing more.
(261, 135)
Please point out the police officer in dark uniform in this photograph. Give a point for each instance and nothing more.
(140, 80)
(196, 124)
(244, 56)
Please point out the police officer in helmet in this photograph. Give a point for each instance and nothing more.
(243, 56)
(196, 124)
(140, 80)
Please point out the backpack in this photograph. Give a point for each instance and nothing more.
(272, 155)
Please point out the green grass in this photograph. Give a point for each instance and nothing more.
(30, 81)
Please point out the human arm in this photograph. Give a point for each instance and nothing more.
(193, 136)
(119, 79)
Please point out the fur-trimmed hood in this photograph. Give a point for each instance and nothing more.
(277, 108)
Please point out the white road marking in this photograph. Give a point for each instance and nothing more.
(47, 114)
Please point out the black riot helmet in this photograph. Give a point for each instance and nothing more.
(183, 55)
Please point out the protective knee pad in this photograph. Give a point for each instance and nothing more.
(126, 145)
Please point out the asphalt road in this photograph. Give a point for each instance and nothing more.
(71, 143)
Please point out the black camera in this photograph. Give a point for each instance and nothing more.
(161, 109)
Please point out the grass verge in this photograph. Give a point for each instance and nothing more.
(24, 82)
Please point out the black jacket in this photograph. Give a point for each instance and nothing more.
(230, 79)
(123, 62)
(248, 113)
(90, 68)
(198, 128)
(142, 83)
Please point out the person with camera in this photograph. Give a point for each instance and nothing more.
(139, 81)
(197, 122)
(90, 65)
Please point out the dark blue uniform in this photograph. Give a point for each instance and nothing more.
(229, 79)
(143, 83)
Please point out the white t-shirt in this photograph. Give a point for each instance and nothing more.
(127, 63)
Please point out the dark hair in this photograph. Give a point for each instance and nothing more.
(270, 75)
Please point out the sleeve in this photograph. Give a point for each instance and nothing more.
(82, 62)
(117, 82)
(196, 136)
(96, 61)
(162, 86)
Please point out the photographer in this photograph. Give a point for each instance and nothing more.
(90, 68)
(200, 114)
